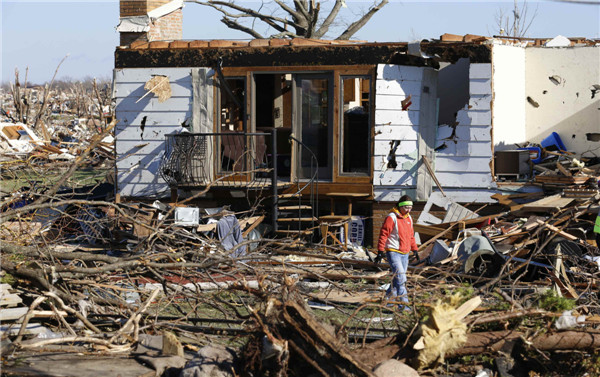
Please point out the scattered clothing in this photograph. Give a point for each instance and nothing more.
(230, 235)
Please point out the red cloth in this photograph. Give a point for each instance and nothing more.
(402, 241)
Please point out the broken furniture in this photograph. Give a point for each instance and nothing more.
(336, 221)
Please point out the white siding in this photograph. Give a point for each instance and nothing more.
(139, 149)
(394, 84)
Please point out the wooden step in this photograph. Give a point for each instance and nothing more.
(327, 218)
(292, 219)
(283, 196)
(302, 232)
(299, 207)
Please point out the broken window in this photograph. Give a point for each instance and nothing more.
(356, 129)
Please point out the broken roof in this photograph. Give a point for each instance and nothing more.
(305, 52)
(298, 51)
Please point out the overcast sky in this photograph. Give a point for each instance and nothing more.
(39, 34)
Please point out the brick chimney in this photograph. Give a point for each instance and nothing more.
(150, 20)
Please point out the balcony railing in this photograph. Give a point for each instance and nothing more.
(218, 159)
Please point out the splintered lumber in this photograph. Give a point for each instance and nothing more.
(563, 170)
(561, 233)
(316, 345)
(573, 180)
(251, 223)
(11, 314)
(432, 173)
(507, 200)
(579, 193)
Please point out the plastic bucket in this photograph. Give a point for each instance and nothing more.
(553, 143)
(535, 154)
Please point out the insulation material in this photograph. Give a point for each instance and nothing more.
(159, 85)
(134, 24)
(444, 332)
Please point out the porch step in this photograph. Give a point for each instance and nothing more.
(292, 219)
(298, 207)
(299, 232)
(334, 218)
(284, 196)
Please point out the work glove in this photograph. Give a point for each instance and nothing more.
(417, 255)
(378, 257)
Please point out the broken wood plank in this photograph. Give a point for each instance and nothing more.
(563, 170)
(561, 233)
(549, 203)
(10, 299)
(206, 227)
(315, 344)
(432, 173)
(251, 223)
(505, 200)
(11, 314)
(467, 308)
(574, 180)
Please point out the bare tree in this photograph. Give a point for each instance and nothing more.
(290, 19)
(517, 22)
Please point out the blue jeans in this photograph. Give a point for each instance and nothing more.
(398, 264)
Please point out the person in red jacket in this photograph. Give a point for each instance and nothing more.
(396, 241)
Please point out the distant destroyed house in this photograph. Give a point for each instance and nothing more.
(323, 119)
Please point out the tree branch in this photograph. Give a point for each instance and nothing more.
(269, 20)
(355, 26)
(324, 28)
(237, 26)
(284, 6)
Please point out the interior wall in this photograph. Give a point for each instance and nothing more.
(508, 72)
(560, 83)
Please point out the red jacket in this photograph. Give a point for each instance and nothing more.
(399, 237)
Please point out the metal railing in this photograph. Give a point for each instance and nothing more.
(217, 159)
(237, 159)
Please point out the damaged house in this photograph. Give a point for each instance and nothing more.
(317, 131)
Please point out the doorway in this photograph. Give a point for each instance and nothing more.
(313, 123)
(302, 105)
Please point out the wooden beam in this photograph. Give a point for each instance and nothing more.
(432, 173)
(563, 170)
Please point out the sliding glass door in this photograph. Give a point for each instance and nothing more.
(313, 124)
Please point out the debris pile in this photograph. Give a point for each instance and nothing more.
(44, 128)
(161, 288)
(105, 277)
